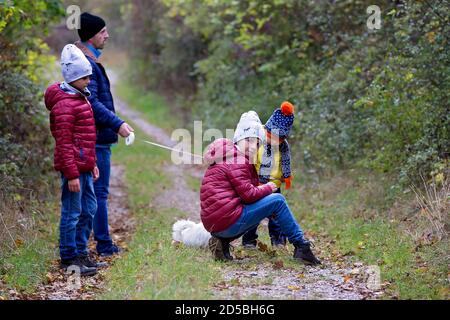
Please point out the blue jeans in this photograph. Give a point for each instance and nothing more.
(276, 236)
(252, 214)
(101, 187)
(77, 211)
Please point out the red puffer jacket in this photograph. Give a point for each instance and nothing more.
(73, 127)
(229, 183)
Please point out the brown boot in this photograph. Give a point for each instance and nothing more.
(220, 249)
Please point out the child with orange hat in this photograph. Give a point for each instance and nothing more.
(273, 163)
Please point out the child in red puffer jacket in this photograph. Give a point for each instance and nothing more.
(73, 127)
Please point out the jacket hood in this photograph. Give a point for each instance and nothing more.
(219, 150)
(54, 94)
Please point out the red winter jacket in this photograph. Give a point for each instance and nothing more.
(229, 183)
(73, 127)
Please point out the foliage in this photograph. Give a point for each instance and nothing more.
(163, 48)
(25, 140)
(366, 98)
(25, 143)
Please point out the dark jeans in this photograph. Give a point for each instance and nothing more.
(275, 233)
(252, 214)
(101, 187)
(77, 211)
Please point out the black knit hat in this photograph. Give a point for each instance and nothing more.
(90, 25)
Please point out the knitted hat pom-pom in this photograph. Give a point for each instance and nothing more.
(287, 108)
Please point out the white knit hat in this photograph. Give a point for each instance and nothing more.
(74, 64)
(249, 126)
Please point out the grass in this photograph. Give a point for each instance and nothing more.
(152, 106)
(356, 218)
(29, 228)
(25, 267)
(193, 182)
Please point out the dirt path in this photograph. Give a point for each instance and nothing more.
(179, 195)
(271, 280)
(243, 278)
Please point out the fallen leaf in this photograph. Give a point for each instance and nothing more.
(300, 276)
(347, 278)
(263, 247)
(355, 271)
(278, 264)
(176, 244)
(293, 288)
(19, 242)
(50, 278)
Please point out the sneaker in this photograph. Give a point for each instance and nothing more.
(85, 271)
(110, 251)
(92, 264)
(249, 245)
(304, 254)
(220, 249)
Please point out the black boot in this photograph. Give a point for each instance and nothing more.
(220, 249)
(278, 242)
(303, 253)
(88, 262)
(84, 270)
(226, 249)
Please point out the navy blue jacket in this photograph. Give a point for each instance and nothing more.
(106, 120)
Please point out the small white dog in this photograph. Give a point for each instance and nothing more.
(191, 234)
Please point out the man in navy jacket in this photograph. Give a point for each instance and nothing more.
(93, 36)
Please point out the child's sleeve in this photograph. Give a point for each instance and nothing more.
(64, 122)
(240, 177)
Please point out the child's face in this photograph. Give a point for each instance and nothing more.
(249, 146)
(273, 139)
(81, 84)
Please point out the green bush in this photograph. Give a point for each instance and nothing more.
(374, 99)
(25, 143)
